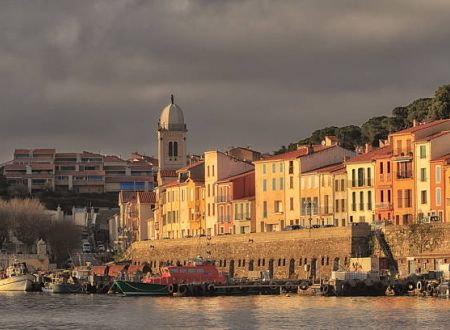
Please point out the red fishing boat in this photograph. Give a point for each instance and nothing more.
(197, 277)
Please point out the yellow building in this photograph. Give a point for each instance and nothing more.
(340, 195)
(426, 150)
(277, 183)
(361, 190)
(181, 206)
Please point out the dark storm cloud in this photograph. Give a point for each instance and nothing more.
(95, 74)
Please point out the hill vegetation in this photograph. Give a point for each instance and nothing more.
(378, 128)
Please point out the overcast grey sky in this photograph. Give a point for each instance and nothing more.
(94, 75)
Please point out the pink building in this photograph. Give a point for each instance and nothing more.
(235, 202)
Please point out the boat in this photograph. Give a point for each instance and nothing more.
(198, 274)
(62, 283)
(16, 278)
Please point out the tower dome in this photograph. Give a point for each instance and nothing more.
(172, 117)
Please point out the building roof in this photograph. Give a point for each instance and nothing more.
(419, 127)
(44, 151)
(372, 155)
(442, 158)
(172, 117)
(147, 197)
(433, 136)
(113, 158)
(237, 176)
(300, 152)
(190, 166)
(127, 196)
(327, 168)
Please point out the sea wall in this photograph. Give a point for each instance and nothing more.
(416, 248)
(290, 254)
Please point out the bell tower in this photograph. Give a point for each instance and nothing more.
(171, 140)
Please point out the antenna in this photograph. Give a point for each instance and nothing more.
(172, 99)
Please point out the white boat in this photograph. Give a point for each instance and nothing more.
(16, 278)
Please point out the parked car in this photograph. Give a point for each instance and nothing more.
(315, 226)
(293, 227)
(100, 248)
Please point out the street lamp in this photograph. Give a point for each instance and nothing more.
(307, 203)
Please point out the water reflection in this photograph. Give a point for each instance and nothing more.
(44, 311)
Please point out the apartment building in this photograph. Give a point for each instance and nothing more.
(429, 174)
(219, 166)
(405, 166)
(85, 172)
(278, 189)
(235, 204)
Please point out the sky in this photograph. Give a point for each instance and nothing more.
(95, 75)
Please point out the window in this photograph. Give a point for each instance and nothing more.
(274, 168)
(388, 167)
(291, 182)
(400, 198)
(353, 178)
(369, 200)
(291, 167)
(342, 205)
(212, 170)
(175, 149)
(353, 201)
(381, 167)
(291, 204)
(423, 196)
(274, 184)
(382, 196)
(369, 177)
(423, 152)
(264, 209)
(361, 201)
(316, 205)
(170, 149)
(264, 169)
(264, 185)
(438, 174)
(281, 167)
(408, 198)
(278, 207)
(342, 184)
(399, 147)
(281, 184)
(389, 195)
(423, 174)
(438, 196)
(303, 206)
(336, 185)
(360, 177)
(336, 206)
(207, 170)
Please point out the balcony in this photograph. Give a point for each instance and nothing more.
(222, 199)
(404, 175)
(385, 177)
(383, 206)
(361, 183)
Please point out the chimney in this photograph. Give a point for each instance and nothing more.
(414, 122)
(367, 148)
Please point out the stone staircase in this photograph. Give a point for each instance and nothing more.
(392, 263)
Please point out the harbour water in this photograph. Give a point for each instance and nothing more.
(46, 311)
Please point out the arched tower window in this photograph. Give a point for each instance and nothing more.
(175, 149)
(170, 149)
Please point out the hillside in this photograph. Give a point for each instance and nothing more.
(376, 128)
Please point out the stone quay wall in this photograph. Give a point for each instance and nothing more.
(300, 254)
(416, 248)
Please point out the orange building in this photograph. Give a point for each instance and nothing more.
(403, 156)
(383, 184)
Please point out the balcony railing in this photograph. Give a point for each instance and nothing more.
(383, 206)
(404, 175)
(222, 199)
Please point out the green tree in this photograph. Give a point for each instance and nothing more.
(5, 225)
(374, 129)
(418, 110)
(440, 104)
